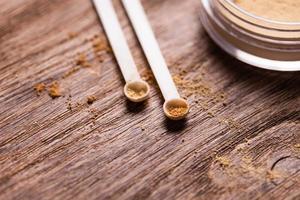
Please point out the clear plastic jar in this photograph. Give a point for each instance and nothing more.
(252, 39)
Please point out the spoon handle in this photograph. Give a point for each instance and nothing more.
(117, 39)
(151, 48)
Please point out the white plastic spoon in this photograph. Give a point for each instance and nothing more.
(135, 89)
(174, 107)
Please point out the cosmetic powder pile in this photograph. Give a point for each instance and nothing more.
(177, 111)
(277, 10)
(135, 93)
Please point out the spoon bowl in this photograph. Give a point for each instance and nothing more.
(176, 109)
(137, 91)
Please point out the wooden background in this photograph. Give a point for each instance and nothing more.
(240, 141)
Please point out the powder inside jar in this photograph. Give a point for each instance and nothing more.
(278, 10)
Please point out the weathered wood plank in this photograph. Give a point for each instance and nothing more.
(240, 141)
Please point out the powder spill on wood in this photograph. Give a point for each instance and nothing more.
(95, 113)
(54, 90)
(69, 103)
(241, 147)
(72, 34)
(247, 159)
(203, 96)
(296, 147)
(230, 123)
(243, 168)
(273, 174)
(99, 46)
(198, 90)
(82, 60)
(148, 77)
(223, 161)
(91, 99)
(142, 127)
(191, 87)
(71, 72)
(211, 114)
(39, 88)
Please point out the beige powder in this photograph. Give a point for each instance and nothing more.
(279, 10)
(54, 90)
(135, 93)
(177, 111)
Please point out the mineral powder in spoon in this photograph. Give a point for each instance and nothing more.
(278, 10)
(133, 93)
(178, 111)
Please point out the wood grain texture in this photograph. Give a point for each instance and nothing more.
(240, 141)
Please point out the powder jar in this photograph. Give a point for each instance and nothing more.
(260, 42)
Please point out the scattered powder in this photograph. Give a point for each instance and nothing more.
(248, 141)
(177, 111)
(91, 99)
(142, 127)
(82, 60)
(241, 172)
(100, 45)
(79, 105)
(297, 146)
(72, 35)
(148, 77)
(247, 160)
(95, 114)
(39, 88)
(223, 161)
(69, 103)
(231, 123)
(71, 71)
(54, 90)
(220, 97)
(211, 114)
(281, 10)
(200, 93)
(198, 90)
(273, 174)
(135, 93)
(203, 104)
(241, 148)
(192, 87)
